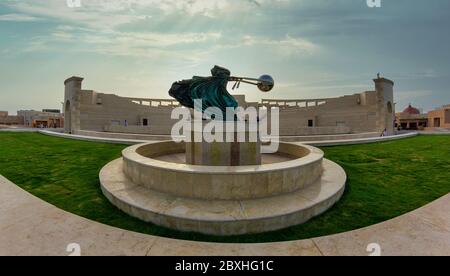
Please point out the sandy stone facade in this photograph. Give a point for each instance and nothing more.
(41, 119)
(440, 118)
(33, 119)
(10, 120)
(370, 111)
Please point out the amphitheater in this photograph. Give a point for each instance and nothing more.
(362, 115)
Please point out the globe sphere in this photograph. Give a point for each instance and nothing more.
(266, 83)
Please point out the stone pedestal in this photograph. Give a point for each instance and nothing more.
(233, 146)
(222, 200)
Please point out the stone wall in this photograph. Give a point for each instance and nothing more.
(11, 120)
(439, 117)
(31, 116)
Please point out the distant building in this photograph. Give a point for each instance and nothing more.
(41, 119)
(10, 120)
(440, 118)
(411, 119)
(51, 111)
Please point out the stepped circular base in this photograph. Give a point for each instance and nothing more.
(223, 217)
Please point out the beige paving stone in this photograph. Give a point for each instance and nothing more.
(205, 210)
(317, 141)
(163, 247)
(117, 179)
(30, 226)
(37, 228)
(423, 232)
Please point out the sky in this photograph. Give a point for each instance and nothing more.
(138, 48)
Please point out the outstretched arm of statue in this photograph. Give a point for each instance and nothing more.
(265, 83)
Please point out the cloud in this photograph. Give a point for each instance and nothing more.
(208, 8)
(189, 46)
(107, 14)
(94, 14)
(286, 46)
(412, 94)
(15, 17)
(183, 46)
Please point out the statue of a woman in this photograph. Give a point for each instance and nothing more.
(211, 90)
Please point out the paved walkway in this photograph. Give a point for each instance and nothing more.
(30, 226)
(311, 143)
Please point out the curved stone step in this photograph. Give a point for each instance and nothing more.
(223, 217)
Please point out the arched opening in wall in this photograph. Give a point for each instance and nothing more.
(389, 107)
(67, 118)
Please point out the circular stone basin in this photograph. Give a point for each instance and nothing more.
(291, 187)
(160, 167)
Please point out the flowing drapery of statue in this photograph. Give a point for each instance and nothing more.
(212, 91)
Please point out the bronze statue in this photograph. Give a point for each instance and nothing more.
(213, 90)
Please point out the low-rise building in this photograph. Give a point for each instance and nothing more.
(411, 118)
(440, 118)
(42, 119)
(10, 120)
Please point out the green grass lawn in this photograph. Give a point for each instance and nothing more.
(385, 180)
